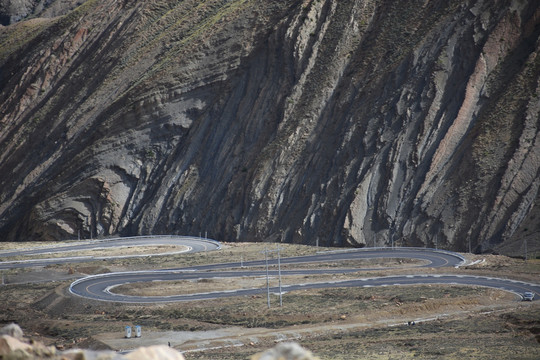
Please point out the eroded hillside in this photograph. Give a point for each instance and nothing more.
(332, 122)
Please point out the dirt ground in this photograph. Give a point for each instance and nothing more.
(337, 323)
(121, 251)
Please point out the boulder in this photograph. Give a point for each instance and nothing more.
(10, 345)
(285, 351)
(157, 352)
(12, 330)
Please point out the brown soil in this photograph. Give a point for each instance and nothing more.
(333, 323)
(106, 252)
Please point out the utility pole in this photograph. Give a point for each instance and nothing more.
(267, 279)
(89, 222)
(242, 258)
(525, 243)
(392, 226)
(279, 275)
(374, 237)
(266, 251)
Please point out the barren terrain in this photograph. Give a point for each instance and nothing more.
(372, 323)
(121, 251)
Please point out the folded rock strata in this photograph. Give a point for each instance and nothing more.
(311, 121)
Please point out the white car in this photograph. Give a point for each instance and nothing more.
(528, 296)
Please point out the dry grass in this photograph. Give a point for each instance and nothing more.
(336, 323)
(14, 37)
(22, 245)
(105, 252)
(167, 288)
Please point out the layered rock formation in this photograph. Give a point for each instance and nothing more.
(310, 121)
(12, 11)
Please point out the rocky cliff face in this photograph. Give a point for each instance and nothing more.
(312, 121)
(12, 11)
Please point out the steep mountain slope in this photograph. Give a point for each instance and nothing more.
(333, 122)
(12, 11)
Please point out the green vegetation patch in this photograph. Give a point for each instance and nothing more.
(16, 36)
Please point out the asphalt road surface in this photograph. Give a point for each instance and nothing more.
(101, 287)
(192, 244)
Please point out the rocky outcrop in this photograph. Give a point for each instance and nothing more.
(285, 351)
(316, 121)
(15, 346)
(12, 11)
(12, 348)
(12, 330)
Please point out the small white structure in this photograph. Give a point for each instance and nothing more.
(137, 331)
(128, 332)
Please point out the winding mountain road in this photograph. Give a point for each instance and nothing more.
(191, 244)
(101, 287)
